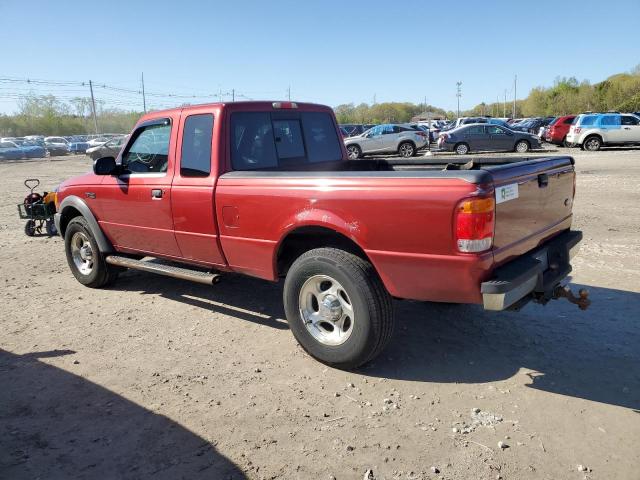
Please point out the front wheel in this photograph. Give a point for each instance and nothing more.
(30, 228)
(337, 307)
(354, 152)
(406, 150)
(522, 146)
(86, 261)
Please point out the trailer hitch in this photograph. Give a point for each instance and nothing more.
(582, 300)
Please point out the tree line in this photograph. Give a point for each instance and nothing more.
(48, 115)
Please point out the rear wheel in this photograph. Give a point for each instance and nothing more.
(337, 307)
(522, 146)
(86, 261)
(406, 149)
(461, 149)
(354, 152)
(592, 144)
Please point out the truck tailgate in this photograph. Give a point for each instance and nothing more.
(534, 200)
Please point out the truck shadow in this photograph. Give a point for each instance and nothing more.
(591, 355)
(54, 424)
(238, 296)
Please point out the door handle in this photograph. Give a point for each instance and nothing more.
(627, 128)
(156, 193)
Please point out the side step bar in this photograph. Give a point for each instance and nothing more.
(164, 269)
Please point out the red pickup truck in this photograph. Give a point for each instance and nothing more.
(266, 189)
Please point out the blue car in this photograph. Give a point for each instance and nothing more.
(77, 145)
(33, 150)
(11, 151)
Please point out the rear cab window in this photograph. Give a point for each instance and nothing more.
(282, 140)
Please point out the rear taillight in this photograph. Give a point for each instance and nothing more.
(444, 136)
(577, 129)
(474, 224)
(421, 134)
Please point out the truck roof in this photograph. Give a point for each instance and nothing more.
(243, 105)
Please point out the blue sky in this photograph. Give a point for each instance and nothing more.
(330, 52)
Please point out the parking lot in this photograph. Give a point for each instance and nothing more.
(156, 377)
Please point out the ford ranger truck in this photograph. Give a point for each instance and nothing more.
(266, 189)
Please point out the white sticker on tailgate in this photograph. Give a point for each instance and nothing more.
(506, 193)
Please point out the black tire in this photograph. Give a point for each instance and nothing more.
(407, 150)
(101, 273)
(461, 148)
(354, 152)
(566, 144)
(592, 143)
(521, 146)
(373, 321)
(30, 228)
(51, 229)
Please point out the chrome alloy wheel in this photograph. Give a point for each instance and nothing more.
(326, 310)
(82, 253)
(406, 150)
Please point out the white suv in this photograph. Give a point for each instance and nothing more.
(592, 131)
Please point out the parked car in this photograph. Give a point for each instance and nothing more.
(94, 142)
(477, 137)
(107, 149)
(56, 145)
(10, 151)
(532, 125)
(29, 150)
(592, 131)
(389, 138)
(557, 131)
(77, 143)
(276, 197)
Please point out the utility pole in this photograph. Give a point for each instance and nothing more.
(93, 107)
(144, 99)
(515, 89)
(289, 92)
(233, 94)
(504, 108)
(458, 94)
(374, 98)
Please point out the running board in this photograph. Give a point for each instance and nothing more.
(164, 269)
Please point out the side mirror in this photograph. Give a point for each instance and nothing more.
(105, 166)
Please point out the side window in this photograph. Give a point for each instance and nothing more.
(475, 130)
(196, 146)
(375, 131)
(495, 131)
(320, 137)
(610, 120)
(387, 130)
(568, 121)
(149, 152)
(629, 120)
(252, 138)
(288, 137)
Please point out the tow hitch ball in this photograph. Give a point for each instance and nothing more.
(582, 300)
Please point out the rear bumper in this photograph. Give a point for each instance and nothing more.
(534, 274)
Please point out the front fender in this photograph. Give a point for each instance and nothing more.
(73, 202)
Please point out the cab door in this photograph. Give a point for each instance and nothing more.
(499, 139)
(193, 187)
(135, 206)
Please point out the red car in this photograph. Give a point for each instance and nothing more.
(265, 189)
(557, 131)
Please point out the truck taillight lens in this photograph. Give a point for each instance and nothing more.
(475, 219)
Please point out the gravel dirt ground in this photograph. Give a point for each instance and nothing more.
(160, 378)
